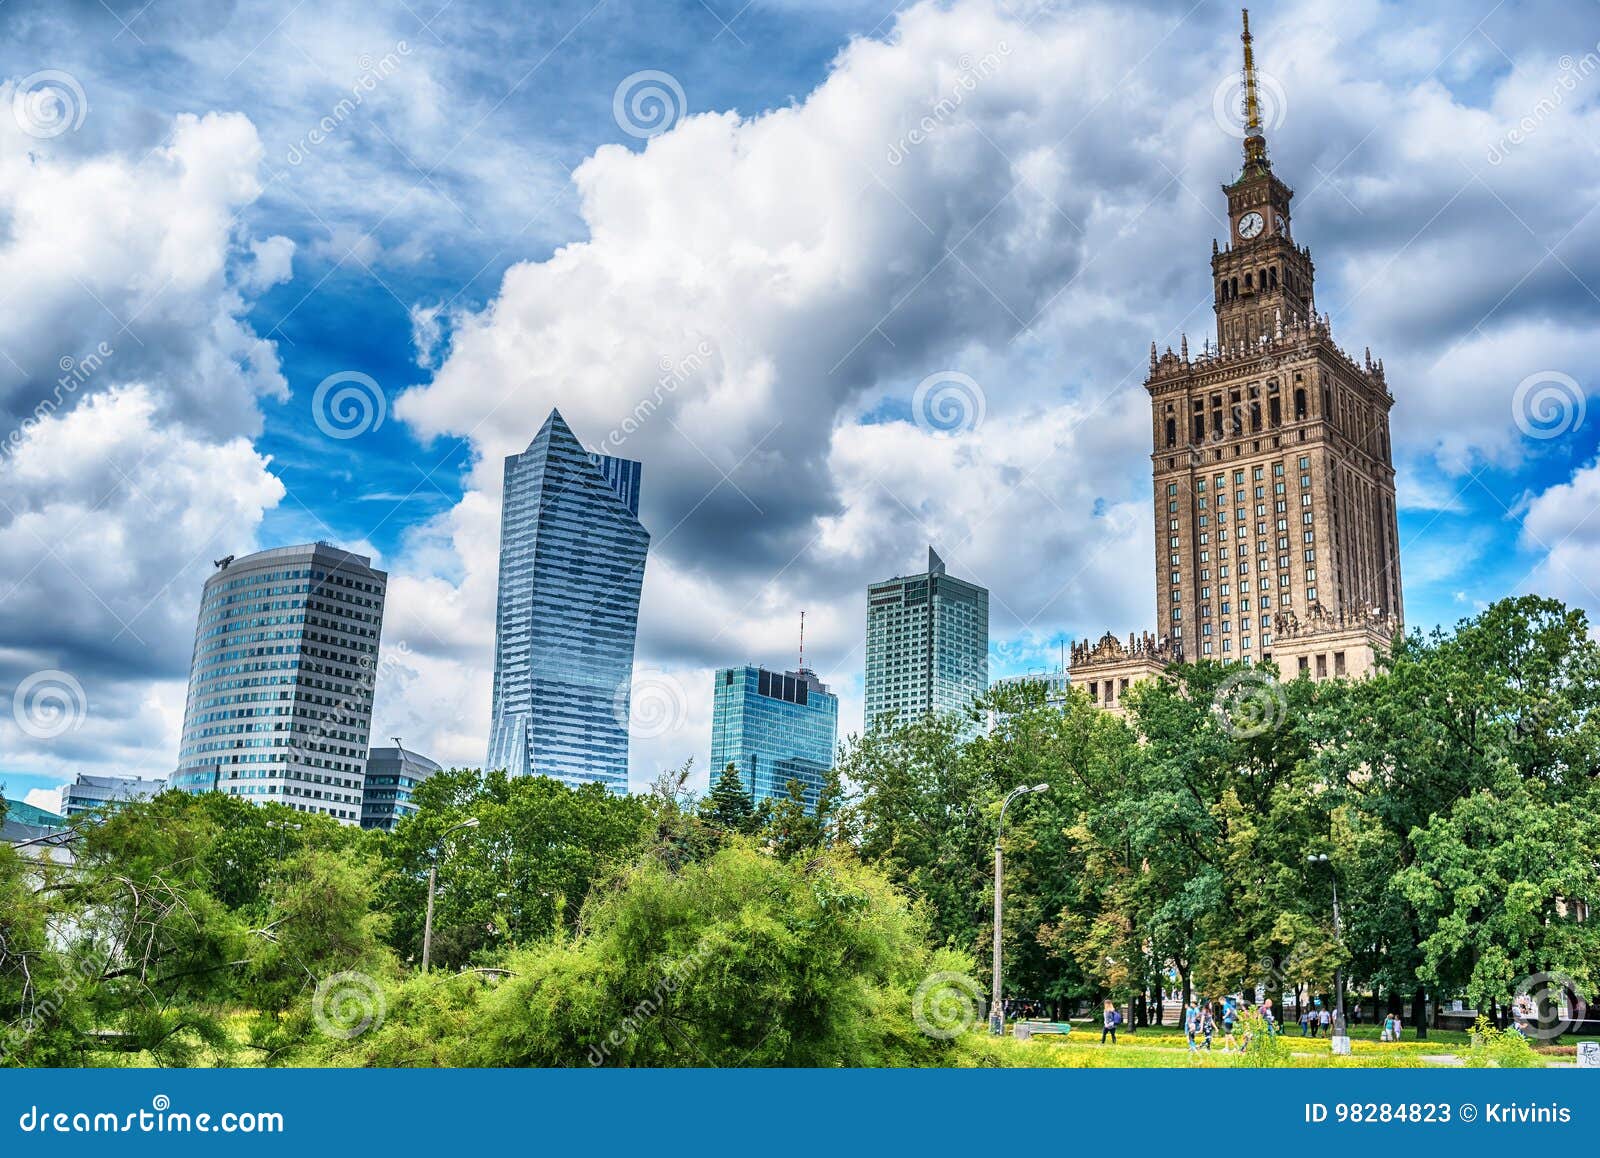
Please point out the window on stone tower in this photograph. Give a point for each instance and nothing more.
(1247, 281)
(1273, 272)
(1299, 405)
(1172, 432)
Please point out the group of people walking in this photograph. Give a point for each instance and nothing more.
(1315, 1022)
(1201, 1021)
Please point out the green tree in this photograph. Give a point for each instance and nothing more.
(519, 876)
(728, 806)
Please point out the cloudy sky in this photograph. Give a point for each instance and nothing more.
(901, 267)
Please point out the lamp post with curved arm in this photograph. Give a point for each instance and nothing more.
(433, 876)
(1341, 1036)
(997, 1017)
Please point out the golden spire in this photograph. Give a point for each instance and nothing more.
(1255, 144)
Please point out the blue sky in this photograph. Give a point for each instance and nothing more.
(453, 201)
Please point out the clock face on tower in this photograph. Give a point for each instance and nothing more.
(1250, 225)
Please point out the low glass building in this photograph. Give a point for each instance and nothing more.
(89, 792)
(773, 727)
(392, 776)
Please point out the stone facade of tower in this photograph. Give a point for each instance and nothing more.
(1276, 533)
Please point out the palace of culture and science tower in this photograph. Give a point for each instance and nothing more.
(1276, 537)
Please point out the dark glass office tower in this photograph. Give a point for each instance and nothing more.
(572, 553)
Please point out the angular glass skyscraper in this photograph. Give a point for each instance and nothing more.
(773, 727)
(927, 645)
(572, 553)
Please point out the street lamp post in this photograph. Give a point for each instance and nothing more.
(1341, 1037)
(433, 877)
(997, 1018)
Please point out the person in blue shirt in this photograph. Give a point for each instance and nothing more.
(1112, 1018)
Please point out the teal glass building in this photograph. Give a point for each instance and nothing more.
(773, 727)
(572, 555)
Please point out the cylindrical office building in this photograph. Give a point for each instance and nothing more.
(281, 682)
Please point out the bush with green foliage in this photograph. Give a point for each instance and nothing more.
(741, 959)
(1502, 1049)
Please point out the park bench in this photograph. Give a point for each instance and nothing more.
(1023, 1030)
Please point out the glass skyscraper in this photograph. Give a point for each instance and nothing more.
(927, 646)
(572, 554)
(281, 682)
(773, 727)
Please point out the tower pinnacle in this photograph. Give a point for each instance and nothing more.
(1255, 142)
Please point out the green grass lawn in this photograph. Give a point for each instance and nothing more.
(1166, 1047)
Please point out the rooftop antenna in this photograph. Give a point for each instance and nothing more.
(802, 641)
